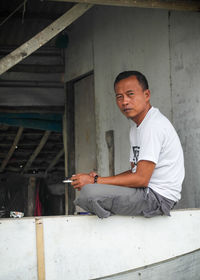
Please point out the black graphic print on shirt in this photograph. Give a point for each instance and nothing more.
(136, 151)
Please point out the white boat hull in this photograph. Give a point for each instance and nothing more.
(86, 247)
(184, 267)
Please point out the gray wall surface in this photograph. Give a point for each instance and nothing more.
(165, 47)
(138, 42)
(185, 74)
(79, 54)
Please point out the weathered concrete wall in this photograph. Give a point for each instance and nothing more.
(138, 42)
(164, 46)
(102, 42)
(79, 54)
(185, 73)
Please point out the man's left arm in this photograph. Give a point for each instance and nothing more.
(126, 179)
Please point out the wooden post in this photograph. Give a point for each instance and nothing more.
(42, 37)
(111, 151)
(70, 133)
(40, 248)
(31, 196)
(178, 5)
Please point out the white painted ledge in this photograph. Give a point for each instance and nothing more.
(86, 247)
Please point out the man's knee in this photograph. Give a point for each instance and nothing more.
(87, 197)
(91, 192)
(88, 191)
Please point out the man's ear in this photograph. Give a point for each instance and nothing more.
(147, 94)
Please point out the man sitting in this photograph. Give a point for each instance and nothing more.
(153, 184)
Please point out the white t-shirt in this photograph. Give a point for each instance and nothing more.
(156, 140)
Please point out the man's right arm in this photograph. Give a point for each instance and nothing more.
(140, 178)
(128, 171)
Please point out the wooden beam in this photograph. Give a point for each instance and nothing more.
(34, 77)
(54, 161)
(42, 37)
(12, 149)
(37, 151)
(29, 68)
(178, 5)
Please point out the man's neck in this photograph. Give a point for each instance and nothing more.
(138, 120)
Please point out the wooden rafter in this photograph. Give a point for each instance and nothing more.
(55, 160)
(12, 149)
(42, 37)
(28, 68)
(37, 151)
(178, 5)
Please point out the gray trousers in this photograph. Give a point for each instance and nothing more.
(107, 200)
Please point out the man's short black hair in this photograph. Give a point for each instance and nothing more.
(139, 76)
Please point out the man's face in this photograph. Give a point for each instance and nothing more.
(132, 100)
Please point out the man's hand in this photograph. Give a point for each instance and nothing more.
(81, 179)
(93, 173)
